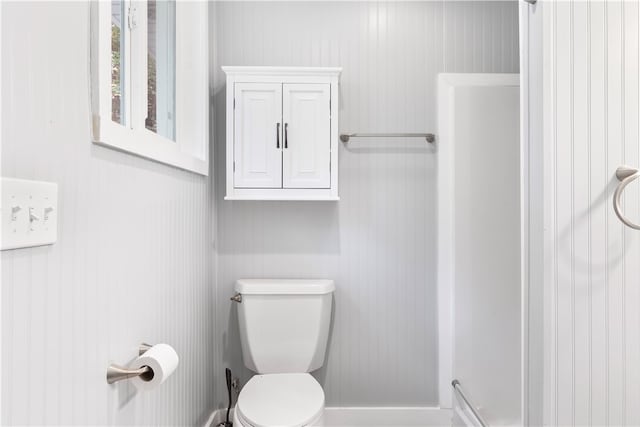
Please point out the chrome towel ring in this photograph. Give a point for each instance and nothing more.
(625, 175)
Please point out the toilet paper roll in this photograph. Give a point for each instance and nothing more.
(162, 359)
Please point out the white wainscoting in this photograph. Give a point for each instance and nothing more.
(133, 260)
(591, 271)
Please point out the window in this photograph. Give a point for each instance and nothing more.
(161, 66)
(149, 76)
(117, 41)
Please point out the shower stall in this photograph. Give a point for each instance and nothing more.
(479, 248)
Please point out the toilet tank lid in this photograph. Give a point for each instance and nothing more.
(284, 286)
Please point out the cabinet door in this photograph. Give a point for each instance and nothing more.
(258, 135)
(307, 140)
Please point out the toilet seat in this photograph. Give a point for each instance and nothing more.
(283, 400)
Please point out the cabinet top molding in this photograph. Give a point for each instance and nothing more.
(282, 71)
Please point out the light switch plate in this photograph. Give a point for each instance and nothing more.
(29, 213)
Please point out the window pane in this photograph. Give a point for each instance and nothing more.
(117, 62)
(161, 44)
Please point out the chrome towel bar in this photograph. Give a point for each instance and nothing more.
(118, 373)
(458, 389)
(428, 136)
(626, 175)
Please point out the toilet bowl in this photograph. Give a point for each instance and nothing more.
(284, 328)
(284, 400)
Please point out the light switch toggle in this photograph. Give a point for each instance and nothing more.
(33, 216)
(47, 211)
(14, 211)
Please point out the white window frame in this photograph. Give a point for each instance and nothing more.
(190, 150)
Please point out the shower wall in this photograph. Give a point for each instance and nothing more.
(379, 241)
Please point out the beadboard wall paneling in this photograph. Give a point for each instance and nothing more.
(591, 100)
(379, 241)
(134, 257)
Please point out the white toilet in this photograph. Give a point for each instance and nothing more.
(284, 326)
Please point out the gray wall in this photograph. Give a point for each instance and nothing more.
(378, 242)
(133, 259)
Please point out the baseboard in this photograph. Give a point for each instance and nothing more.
(371, 417)
(386, 416)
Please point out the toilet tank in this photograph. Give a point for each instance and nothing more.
(284, 323)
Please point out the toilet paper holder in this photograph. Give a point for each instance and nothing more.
(117, 373)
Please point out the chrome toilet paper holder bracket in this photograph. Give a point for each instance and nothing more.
(117, 373)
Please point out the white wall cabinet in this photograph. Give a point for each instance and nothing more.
(282, 133)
